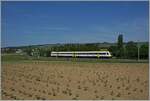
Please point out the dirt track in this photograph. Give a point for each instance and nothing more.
(88, 81)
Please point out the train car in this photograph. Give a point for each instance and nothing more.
(88, 54)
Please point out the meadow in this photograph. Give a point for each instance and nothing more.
(71, 80)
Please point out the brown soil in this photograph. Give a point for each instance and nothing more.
(84, 81)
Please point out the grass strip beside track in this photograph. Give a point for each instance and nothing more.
(25, 58)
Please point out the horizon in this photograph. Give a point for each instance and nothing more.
(49, 22)
(74, 43)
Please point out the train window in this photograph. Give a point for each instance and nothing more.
(102, 53)
(66, 53)
(85, 53)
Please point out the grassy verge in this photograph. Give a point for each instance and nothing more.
(25, 58)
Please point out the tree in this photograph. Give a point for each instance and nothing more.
(28, 50)
(113, 50)
(36, 52)
(120, 51)
(144, 51)
(131, 50)
(120, 41)
(8, 50)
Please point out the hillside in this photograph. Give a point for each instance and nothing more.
(104, 44)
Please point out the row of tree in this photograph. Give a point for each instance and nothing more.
(76, 47)
(120, 50)
(126, 51)
(45, 52)
(130, 51)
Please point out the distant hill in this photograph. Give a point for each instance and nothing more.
(104, 44)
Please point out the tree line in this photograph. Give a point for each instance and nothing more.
(122, 50)
(129, 50)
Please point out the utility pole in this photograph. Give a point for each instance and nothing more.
(138, 51)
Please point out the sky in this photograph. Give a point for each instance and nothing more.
(50, 22)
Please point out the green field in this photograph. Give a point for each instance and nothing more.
(23, 58)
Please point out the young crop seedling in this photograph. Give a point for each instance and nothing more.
(49, 93)
(118, 87)
(111, 93)
(67, 85)
(102, 97)
(134, 89)
(77, 95)
(54, 94)
(127, 88)
(123, 85)
(38, 98)
(64, 92)
(44, 91)
(113, 98)
(105, 85)
(42, 98)
(30, 95)
(85, 88)
(97, 96)
(138, 79)
(79, 87)
(95, 91)
(74, 98)
(70, 93)
(141, 90)
(118, 95)
(129, 93)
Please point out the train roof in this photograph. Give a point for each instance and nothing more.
(80, 52)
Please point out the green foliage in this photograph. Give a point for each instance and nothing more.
(8, 50)
(131, 50)
(76, 47)
(120, 49)
(120, 41)
(144, 51)
(37, 51)
(28, 50)
(121, 52)
(113, 50)
(44, 52)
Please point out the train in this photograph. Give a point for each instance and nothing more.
(78, 54)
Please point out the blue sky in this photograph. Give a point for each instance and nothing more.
(28, 23)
